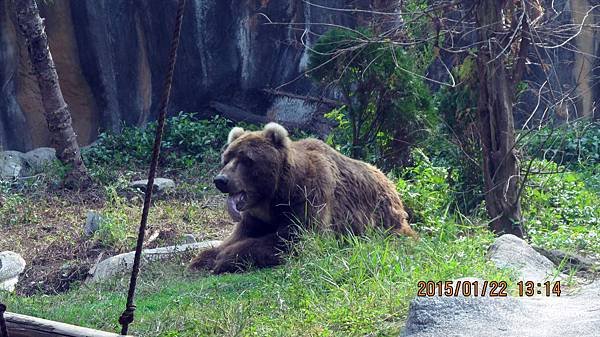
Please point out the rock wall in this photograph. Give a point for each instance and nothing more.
(588, 43)
(567, 81)
(111, 56)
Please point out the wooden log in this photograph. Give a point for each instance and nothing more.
(27, 326)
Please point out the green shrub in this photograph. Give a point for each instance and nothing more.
(424, 190)
(186, 142)
(560, 210)
(387, 106)
(568, 144)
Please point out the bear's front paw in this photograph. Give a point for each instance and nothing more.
(205, 260)
(233, 258)
(227, 266)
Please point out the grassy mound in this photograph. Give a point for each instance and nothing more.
(349, 287)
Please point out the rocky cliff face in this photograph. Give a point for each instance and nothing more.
(566, 81)
(111, 56)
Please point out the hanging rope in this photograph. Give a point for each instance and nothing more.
(3, 329)
(128, 315)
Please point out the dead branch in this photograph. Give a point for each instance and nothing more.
(240, 115)
(322, 100)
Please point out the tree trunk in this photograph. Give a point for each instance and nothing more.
(496, 94)
(56, 110)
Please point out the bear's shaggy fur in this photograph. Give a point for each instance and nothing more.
(277, 184)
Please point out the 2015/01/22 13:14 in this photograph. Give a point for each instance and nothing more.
(485, 288)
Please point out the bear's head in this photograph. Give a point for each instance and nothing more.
(252, 166)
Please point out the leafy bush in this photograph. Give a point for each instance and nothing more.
(186, 141)
(560, 210)
(424, 190)
(568, 144)
(427, 190)
(387, 107)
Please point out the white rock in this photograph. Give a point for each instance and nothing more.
(509, 251)
(122, 263)
(38, 158)
(92, 223)
(189, 238)
(160, 184)
(11, 266)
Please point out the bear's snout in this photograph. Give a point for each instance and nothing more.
(221, 181)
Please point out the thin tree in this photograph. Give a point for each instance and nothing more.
(496, 125)
(56, 110)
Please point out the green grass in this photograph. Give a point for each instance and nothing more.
(351, 286)
(562, 209)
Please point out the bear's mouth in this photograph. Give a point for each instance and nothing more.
(236, 203)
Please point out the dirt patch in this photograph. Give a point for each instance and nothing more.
(47, 230)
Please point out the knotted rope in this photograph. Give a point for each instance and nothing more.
(128, 315)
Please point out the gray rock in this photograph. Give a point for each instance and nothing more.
(92, 223)
(11, 266)
(444, 316)
(161, 185)
(11, 164)
(509, 251)
(563, 316)
(122, 263)
(38, 159)
(189, 238)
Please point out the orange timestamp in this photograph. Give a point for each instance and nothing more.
(462, 288)
(482, 288)
(530, 288)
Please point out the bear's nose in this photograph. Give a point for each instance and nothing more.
(221, 181)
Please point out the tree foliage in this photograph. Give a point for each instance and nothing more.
(387, 106)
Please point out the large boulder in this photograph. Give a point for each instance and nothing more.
(563, 316)
(38, 159)
(574, 314)
(123, 263)
(11, 266)
(509, 251)
(14, 164)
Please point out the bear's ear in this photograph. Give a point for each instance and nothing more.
(234, 134)
(276, 133)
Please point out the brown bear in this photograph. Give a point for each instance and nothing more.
(277, 185)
